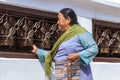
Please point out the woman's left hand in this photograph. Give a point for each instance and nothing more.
(73, 57)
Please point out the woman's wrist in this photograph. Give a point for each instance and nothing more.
(36, 50)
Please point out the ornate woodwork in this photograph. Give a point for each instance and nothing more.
(107, 36)
(20, 28)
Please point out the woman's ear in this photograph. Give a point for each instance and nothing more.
(68, 19)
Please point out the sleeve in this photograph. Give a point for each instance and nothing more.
(41, 55)
(90, 48)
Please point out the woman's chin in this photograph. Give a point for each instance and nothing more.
(60, 29)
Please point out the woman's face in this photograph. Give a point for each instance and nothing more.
(62, 22)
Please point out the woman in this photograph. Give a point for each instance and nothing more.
(75, 43)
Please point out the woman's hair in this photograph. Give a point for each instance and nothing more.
(68, 12)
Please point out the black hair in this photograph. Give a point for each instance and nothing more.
(68, 12)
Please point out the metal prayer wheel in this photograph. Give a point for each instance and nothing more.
(108, 39)
(19, 33)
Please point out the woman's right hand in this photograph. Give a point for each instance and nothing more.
(35, 48)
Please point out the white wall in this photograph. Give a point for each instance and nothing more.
(31, 69)
(105, 71)
(86, 23)
(21, 69)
